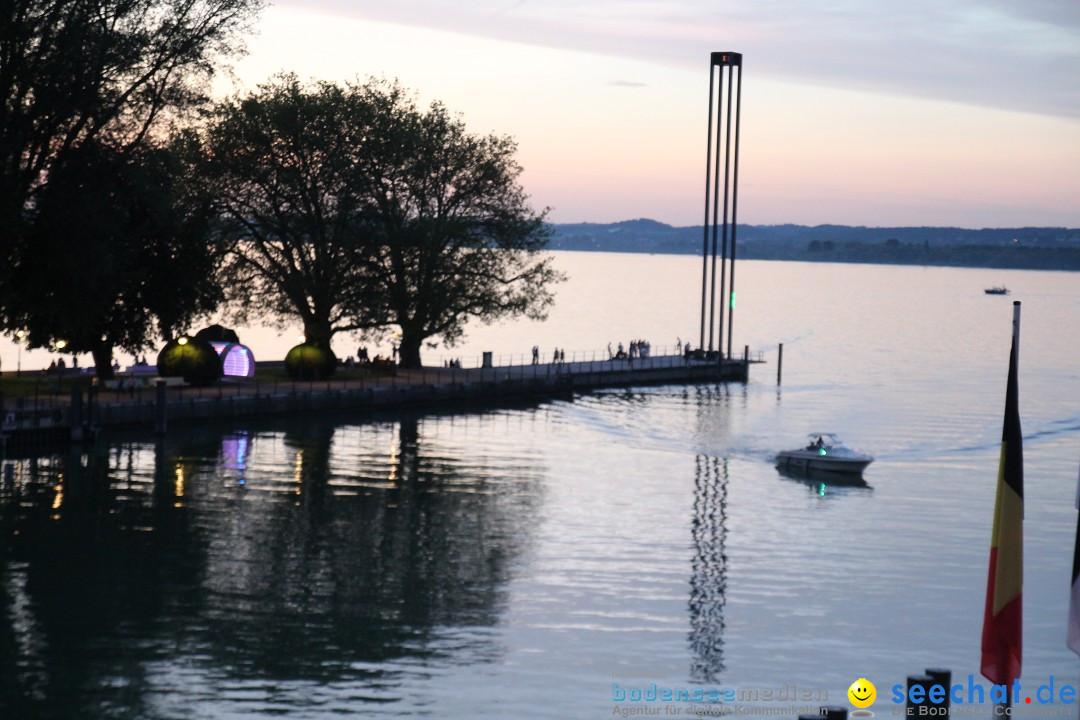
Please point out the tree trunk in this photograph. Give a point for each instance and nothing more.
(318, 333)
(409, 351)
(102, 354)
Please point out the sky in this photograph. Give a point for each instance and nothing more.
(854, 112)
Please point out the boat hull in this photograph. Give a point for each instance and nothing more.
(802, 460)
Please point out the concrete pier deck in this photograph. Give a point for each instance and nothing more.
(63, 417)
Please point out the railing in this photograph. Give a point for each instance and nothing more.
(572, 356)
(51, 404)
(546, 356)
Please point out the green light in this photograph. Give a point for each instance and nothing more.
(821, 490)
(732, 299)
(822, 451)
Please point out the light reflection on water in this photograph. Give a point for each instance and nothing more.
(518, 562)
(234, 569)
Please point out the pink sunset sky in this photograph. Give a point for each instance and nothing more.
(859, 112)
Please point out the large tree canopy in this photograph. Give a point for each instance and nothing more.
(119, 251)
(103, 71)
(452, 236)
(351, 209)
(280, 166)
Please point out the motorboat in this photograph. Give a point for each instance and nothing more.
(997, 290)
(825, 451)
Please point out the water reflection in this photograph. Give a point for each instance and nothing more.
(136, 572)
(824, 483)
(708, 577)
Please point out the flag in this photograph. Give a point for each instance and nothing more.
(1001, 636)
(1072, 637)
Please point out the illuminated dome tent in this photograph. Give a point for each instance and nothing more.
(236, 359)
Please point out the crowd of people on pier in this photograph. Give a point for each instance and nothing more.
(638, 349)
(559, 356)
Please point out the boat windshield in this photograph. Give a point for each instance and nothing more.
(822, 439)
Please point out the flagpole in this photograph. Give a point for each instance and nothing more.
(1072, 627)
(1008, 704)
(1005, 707)
(1003, 618)
(1016, 331)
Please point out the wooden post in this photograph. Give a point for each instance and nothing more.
(75, 413)
(925, 682)
(160, 423)
(941, 677)
(779, 363)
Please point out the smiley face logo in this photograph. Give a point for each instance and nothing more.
(862, 693)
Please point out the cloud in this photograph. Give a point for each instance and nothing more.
(1021, 55)
(627, 83)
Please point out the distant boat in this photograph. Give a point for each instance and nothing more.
(825, 452)
(997, 290)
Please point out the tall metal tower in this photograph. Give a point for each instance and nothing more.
(725, 138)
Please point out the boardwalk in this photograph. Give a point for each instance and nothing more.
(63, 416)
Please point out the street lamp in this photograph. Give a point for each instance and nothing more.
(60, 345)
(19, 335)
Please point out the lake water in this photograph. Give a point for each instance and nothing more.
(537, 560)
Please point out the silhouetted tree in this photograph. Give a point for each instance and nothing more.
(107, 71)
(351, 209)
(454, 236)
(280, 166)
(117, 255)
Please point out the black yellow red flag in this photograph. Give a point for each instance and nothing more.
(1072, 635)
(1002, 626)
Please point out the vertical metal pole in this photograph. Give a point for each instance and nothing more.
(724, 244)
(779, 363)
(718, 63)
(716, 210)
(705, 226)
(734, 206)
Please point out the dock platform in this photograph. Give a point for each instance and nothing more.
(59, 417)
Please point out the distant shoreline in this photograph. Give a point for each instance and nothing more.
(999, 248)
(1064, 262)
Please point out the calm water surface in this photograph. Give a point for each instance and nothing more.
(519, 562)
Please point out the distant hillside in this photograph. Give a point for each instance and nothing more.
(1029, 248)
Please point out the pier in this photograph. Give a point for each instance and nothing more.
(156, 404)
